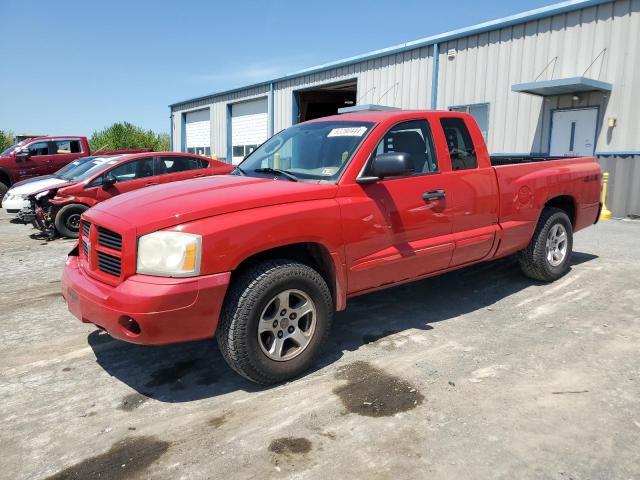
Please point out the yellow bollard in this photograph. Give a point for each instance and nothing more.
(276, 160)
(605, 213)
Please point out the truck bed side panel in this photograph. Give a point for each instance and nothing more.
(526, 188)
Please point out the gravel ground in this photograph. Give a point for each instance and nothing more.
(480, 373)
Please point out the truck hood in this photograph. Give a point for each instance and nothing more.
(162, 206)
(34, 185)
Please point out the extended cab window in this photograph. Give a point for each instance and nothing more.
(62, 147)
(172, 164)
(39, 148)
(461, 149)
(133, 170)
(412, 137)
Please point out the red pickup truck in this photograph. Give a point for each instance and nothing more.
(321, 212)
(43, 155)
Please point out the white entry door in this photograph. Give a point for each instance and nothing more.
(573, 132)
(249, 127)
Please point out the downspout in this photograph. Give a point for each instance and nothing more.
(271, 110)
(434, 76)
(170, 130)
(229, 152)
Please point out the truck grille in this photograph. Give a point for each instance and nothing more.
(86, 226)
(108, 263)
(109, 239)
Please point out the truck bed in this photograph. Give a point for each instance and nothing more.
(498, 160)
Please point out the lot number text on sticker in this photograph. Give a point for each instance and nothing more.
(347, 132)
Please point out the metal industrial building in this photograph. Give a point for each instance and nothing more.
(559, 80)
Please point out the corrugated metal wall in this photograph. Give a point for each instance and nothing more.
(568, 45)
(400, 80)
(623, 195)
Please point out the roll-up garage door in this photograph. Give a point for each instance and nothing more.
(249, 127)
(198, 132)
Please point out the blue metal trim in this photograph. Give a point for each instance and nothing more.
(294, 107)
(271, 126)
(229, 152)
(578, 83)
(530, 15)
(435, 73)
(623, 153)
(170, 130)
(183, 132)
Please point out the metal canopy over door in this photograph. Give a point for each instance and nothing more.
(198, 132)
(573, 132)
(249, 127)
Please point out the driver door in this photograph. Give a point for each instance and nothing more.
(402, 230)
(38, 163)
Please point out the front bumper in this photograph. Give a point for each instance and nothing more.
(147, 310)
(14, 205)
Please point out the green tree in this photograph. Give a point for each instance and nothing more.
(6, 139)
(123, 135)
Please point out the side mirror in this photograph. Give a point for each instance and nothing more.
(22, 155)
(108, 181)
(392, 164)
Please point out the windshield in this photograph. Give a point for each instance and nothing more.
(310, 151)
(62, 173)
(9, 150)
(85, 168)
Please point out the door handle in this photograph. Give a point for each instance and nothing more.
(150, 183)
(433, 195)
(198, 175)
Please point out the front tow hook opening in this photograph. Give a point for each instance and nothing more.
(130, 326)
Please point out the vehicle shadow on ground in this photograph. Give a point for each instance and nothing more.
(196, 370)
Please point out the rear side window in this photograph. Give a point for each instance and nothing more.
(414, 138)
(461, 148)
(166, 165)
(62, 147)
(133, 170)
(39, 148)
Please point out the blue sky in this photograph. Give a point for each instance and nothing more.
(72, 67)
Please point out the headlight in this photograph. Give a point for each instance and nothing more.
(169, 254)
(42, 194)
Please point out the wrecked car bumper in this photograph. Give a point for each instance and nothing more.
(146, 310)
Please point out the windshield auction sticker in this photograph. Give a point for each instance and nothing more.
(347, 132)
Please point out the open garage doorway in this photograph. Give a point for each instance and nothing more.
(324, 100)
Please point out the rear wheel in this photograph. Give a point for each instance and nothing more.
(276, 316)
(67, 220)
(548, 255)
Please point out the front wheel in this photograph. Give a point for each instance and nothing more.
(548, 255)
(275, 318)
(67, 220)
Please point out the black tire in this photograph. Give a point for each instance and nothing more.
(67, 220)
(248, 296)
(533, 259)
(3, 191)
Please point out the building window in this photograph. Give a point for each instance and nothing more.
(479, 111)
